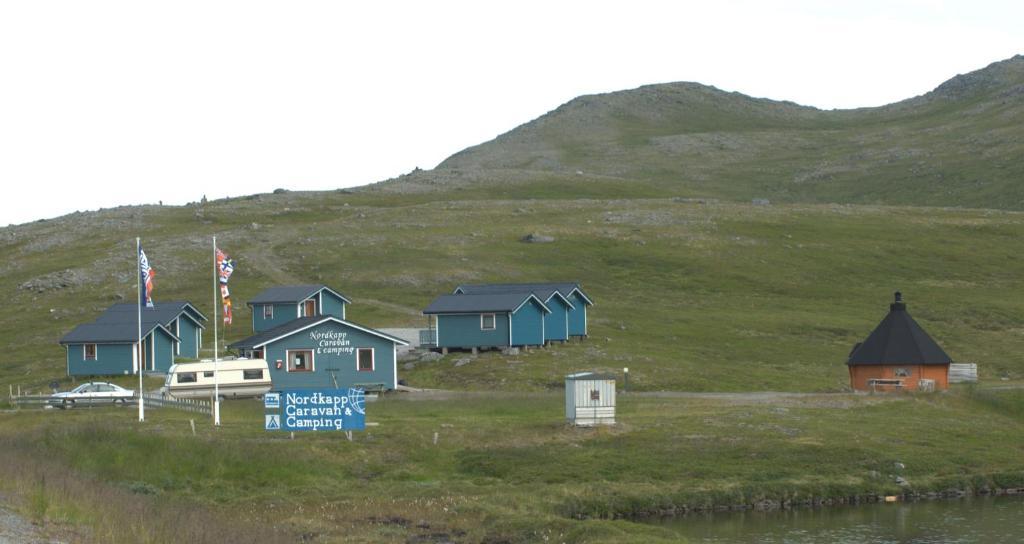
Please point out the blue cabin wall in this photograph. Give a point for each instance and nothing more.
(463, 331)
(332, 305)
(111, 360)
(283, 313)
(334, 349)
(528, 325)
(188, 332)
(577, 316)
(159, 355)
(556, 323)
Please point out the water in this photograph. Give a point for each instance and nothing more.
(982, 520)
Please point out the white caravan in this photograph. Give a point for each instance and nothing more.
(237, 378)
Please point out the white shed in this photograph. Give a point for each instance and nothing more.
(590, 399)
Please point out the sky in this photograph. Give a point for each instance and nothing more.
(106, 103)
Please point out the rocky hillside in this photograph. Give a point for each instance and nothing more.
(959, 145)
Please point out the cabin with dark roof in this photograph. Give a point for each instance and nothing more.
(494, 320)
(179, 317)
(109, 345)
(898, 355)
(276, 306)
(109, 349)
(324, 351)
(565, 298)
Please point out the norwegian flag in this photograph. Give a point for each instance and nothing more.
(225, 267)
(146, 274)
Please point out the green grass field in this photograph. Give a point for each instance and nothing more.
(504, 468)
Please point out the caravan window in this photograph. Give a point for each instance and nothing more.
(187, 377)
(208, 374)
(252, 374)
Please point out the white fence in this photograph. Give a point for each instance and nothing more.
(188, 405)
(963, 373)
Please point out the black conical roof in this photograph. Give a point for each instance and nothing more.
(898, 339)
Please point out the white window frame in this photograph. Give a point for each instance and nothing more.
(265, 308)
(494, 322)
(373, 359)
(95, 352)
(288, 360)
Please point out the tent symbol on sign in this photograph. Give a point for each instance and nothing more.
(273, 422)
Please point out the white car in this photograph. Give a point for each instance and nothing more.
(92, 393)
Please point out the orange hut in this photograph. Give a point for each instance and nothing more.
(898, 355)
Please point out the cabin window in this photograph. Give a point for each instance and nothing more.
(300, 361)
(187, 377)
(208, 374)
(257, 353)
(595, 394)
(268, 311)
(487, 322)
(252, 374)
(364, 359)
(902, 372)
(90, 352)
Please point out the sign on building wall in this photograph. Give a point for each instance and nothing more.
(317, 410)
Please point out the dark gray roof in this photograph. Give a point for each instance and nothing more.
(111, 333)
(291, 293)
(542, 290)
(494, 302)
(300, 323)
(898, 339)
(161, 312)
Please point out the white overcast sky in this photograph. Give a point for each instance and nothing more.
(107, 103)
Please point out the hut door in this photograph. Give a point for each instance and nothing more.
(310, 308)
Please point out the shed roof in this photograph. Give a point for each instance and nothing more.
(493, 302)
(112, 333)
(292, 293)
(898, 339)
(542, 290)
(162, 312)
(590, 376)
(302, 323)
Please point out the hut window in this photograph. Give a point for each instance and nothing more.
(487, 322)
(300, 361)
(256, 374)
(90, 352)
(187, 377)
(268, 311)
(364, 359)
(902, 372)
(595, 394)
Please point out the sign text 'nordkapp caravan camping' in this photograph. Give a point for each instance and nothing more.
(317, 410)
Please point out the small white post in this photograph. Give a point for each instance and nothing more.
(192, 423)
(435, 438)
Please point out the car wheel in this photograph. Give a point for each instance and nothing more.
(119, 402)
(67, 404)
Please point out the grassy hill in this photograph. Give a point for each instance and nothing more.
(959, 145)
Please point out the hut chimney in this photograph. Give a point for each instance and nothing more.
(898, 304)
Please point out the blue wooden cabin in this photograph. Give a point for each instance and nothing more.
(324, 351)
(109, 349)
(492, 320)
(279, 305)
(179, 317)
(109, 345)
(567, 301)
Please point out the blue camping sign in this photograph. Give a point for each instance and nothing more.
(321, 410)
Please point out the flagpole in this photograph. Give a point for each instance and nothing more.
(138, 309)
(216, 377)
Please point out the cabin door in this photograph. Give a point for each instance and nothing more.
(310, 308)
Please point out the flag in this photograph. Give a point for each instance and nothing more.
(146, 274)
(225, 267)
